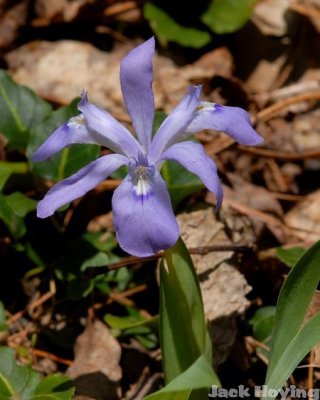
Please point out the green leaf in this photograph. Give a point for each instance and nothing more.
(20, 204)
(296, 350)
(3, 325)
(68, 160)
(20, 111)
(13, 208)
(183, 331)
(15, 381)
(289, 256)
(180, 182)
(294, 299)
(134, 320)
(54, 387)
(4, 176)
(227, 16)
(198, 376)
(168, 30)
(262, 323)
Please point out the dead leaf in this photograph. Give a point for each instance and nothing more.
(313, 309)
(58, 71)
(223, 288)
(304, 218)
(96, 371)
(12, 17)
(270, 16)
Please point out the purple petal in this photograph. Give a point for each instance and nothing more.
(72, 132)
(232, 120)
(116, 136)
(79, 183)
(136, 77)
(144, 224)
(193, 157)
(173, 127)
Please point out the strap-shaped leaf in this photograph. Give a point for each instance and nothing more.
(198, 376)
(296, 350)
(294, 299)
(184, 336)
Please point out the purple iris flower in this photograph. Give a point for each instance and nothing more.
(142, 213)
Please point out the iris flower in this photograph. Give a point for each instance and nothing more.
(142, 212)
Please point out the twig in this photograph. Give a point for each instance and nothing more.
(53, 357)
(282, 155)
(31, 307)
(274, 109)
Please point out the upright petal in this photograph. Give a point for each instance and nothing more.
(71, 132)
(136, 75)
(117, 137)
(144, 223)
(232, 120)
(192, 156)
(80, 183)
(173, 127)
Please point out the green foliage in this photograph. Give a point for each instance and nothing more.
(227, 16)
(221, 16)
(3, 325)
(23, 383)
(134, 324)
(198, 376)
(291, 340)
(289, 256)
(262, 323)
(184, 337)
(180, 182)
(168, 30)
(13, 209)
(21, 111)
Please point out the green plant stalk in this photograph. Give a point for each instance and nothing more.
(20, 167)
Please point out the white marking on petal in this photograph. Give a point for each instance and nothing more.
(142, 181)
(76, 122)
(206, 106)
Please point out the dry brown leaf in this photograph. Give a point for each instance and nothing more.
(12, 17)
(304, 218)
(314, 308)
(270, 16)
(223, 288)
(58, 71)
(96, 371)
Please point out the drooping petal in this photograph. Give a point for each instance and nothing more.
(232, 120)
(117, 137)
(143, 216)
(136, 75)
(173, 127)
(192, 156)
(71, 132)
(79, 183)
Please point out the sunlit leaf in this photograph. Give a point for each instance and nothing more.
(226, 16)
(168, 30)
